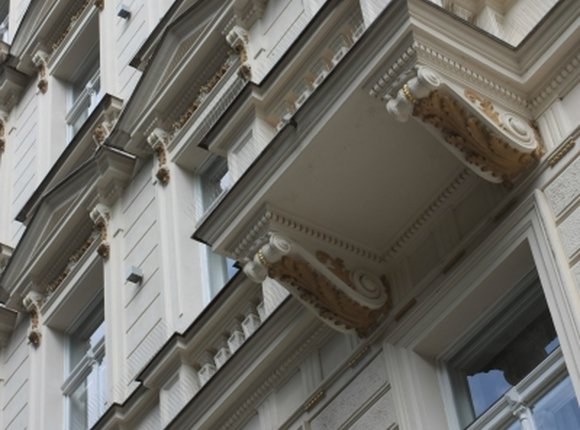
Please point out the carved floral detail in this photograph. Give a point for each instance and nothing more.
(158, 141)
(330, 302)
(479, 145)
(2, 132)
(72, 21)
(40, 61)
(345, 299)
(72, 261)
(238, 39)
(32, 302)
(101, 216)
(202, 93)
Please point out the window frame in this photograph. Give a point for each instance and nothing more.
(546, 375)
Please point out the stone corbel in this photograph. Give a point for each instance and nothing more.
(238, 39)
(32, 303)
(3, 117)
(496, 144)
(100, 215)
(158, 140)
(101, 132)
(40, 60)
(347, 300)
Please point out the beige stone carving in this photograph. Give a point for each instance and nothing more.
(158, 141)
(101, 216)
(349, 300)
(32, 303)
(479, 144)
(40, 60)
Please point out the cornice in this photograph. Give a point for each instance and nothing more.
(12, 85)
(45, 22)
(94, 131)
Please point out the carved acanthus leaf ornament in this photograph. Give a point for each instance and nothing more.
(497, 145)
(347, 300)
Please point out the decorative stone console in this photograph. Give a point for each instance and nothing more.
(346, 299)
(495, 143)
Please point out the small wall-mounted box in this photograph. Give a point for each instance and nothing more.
(123, 12)
(134, 275)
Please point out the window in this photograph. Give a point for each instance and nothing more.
(214, 181)
(84, 388)
(84, 91)
(220, 271)
(515, 346)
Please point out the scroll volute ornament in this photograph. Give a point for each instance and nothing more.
(497, 145)
(100, 216)
(32, 302)
(345, 299)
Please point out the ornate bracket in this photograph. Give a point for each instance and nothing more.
(40, 60)
(101, 132)
(345, 299)
(158, 140)
(496, 144)
(101, 215)
(238, 39)
(2, 131)
(32, 303)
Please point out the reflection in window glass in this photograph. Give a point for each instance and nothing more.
(558, 409)
(515, 426)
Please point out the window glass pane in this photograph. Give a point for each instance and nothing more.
(78, 408)
(86, 336)
(515, 426)
(558, 409)
(214, 181)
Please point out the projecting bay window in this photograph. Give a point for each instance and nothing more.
(84, 387)
(511, 375)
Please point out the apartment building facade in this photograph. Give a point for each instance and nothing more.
(267, 214)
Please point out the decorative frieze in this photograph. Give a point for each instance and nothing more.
(561, 152)
(496, 144)
(72, 20)
(72, 262)
(158, 140)
(40, 60)
(202, 94)
(345, 299)
(100, 216)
